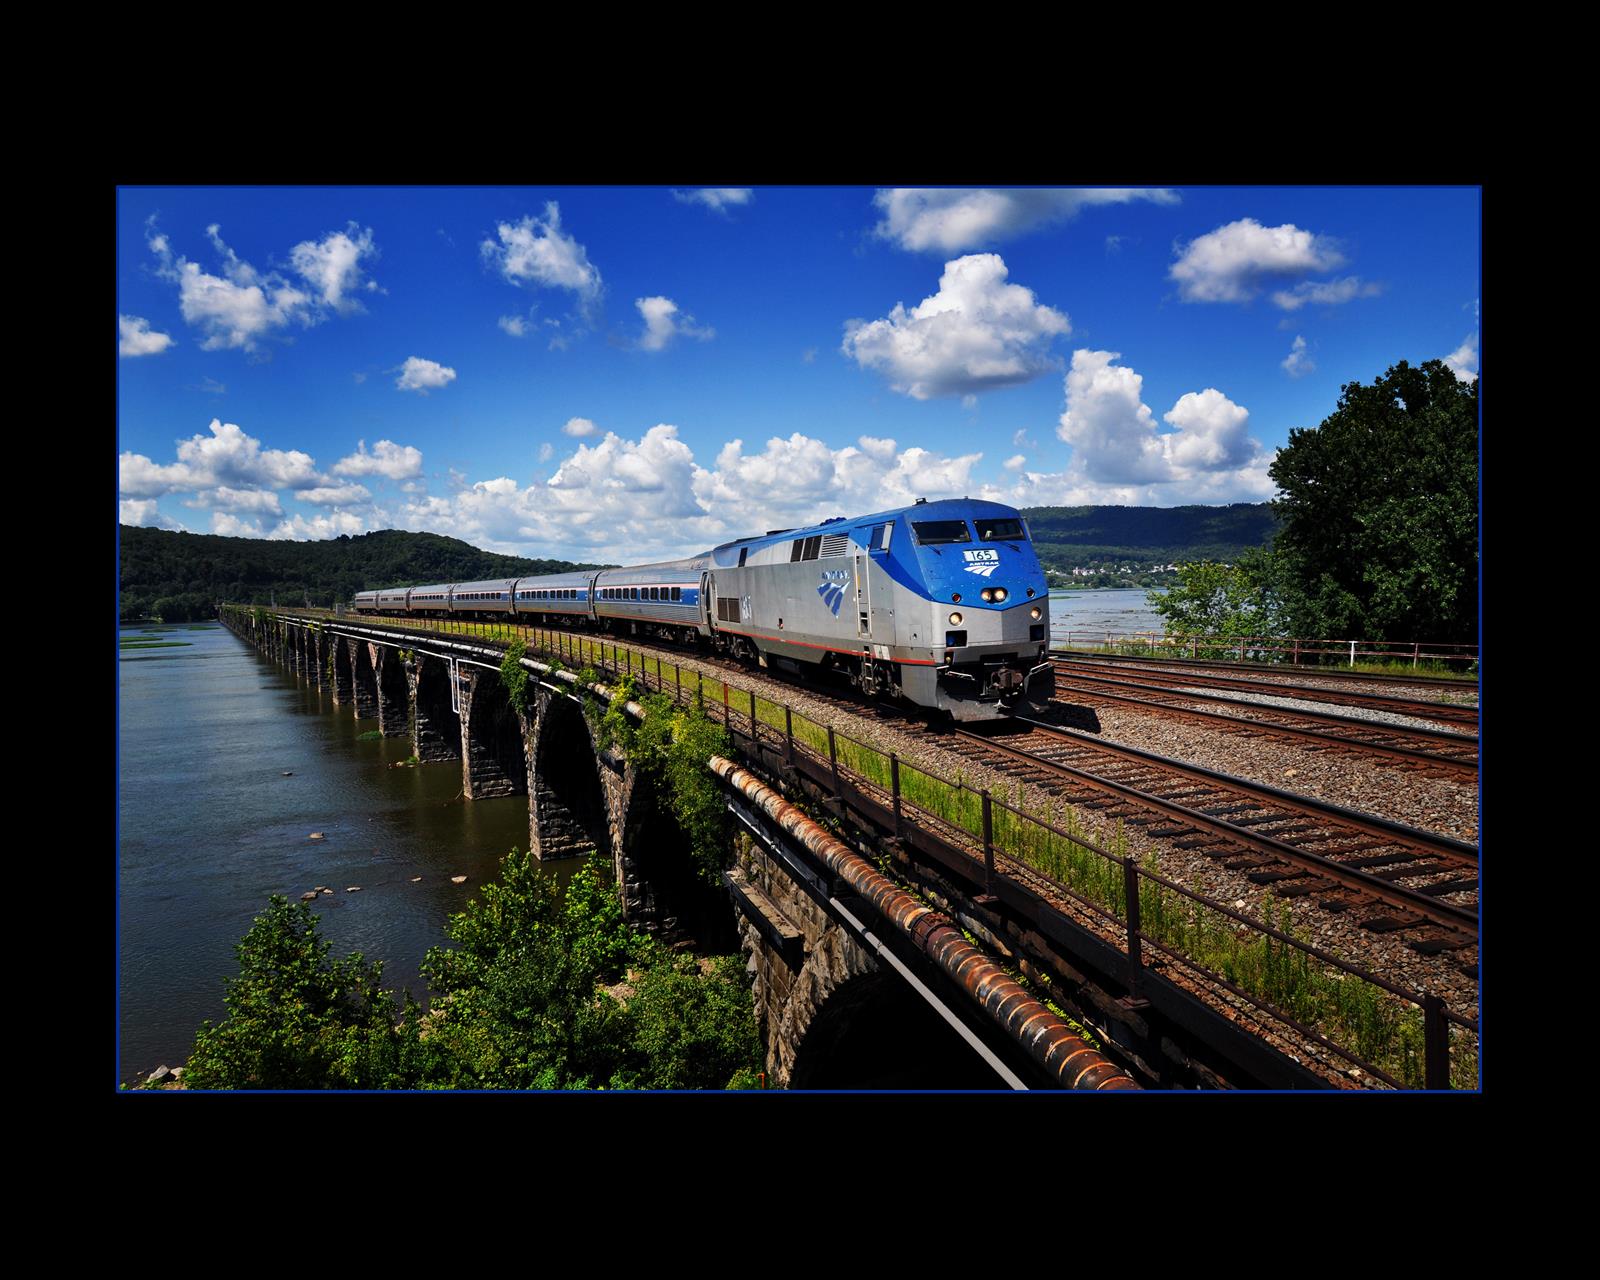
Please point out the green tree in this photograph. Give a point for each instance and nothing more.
(297, 1020)
(1210, 599)
(1379, 533)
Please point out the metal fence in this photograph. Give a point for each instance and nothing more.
(1270, 649)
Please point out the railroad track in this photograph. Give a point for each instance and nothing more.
(1433, 750)
(1422, 708)
(1396, 877)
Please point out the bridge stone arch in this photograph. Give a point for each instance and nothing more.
(832, 1016)
(364, 680)
(493, 751)
(435, 730)
(394, 693)
(317, 658)
(576, 791)
(344, 677)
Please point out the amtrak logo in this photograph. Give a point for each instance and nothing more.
(834, 582)
(982, 563)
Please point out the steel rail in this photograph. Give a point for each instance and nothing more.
(1423, 708)
(1447, 914)
(1087, 686)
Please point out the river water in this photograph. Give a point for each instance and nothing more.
(208, 828)
(1089, 614)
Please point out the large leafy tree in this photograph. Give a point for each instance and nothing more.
(1379, 533)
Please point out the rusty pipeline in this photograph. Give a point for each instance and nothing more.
(1045, 1037)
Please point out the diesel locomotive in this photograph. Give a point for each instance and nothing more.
(943, 604)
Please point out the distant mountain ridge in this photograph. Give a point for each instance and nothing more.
(180, 576)
(1069, 537)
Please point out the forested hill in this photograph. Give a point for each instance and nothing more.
(1069, 537)
(179, 576)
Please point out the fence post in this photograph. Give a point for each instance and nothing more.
(725, 721)
(754, 740)
(1416, 649)
(1130, 892)
(1352, 653)
(699, 693)
(1297, 653)
(894, 789)
(1194, 648)
(833, 768)
(678, 696)
(788, 734)
(1241, 648)
(660, 683)
(1435, 1044)
(988, 844)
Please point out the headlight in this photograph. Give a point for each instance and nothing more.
(1000, 593)
(955, 619)
(987, 595)
(1035, 612)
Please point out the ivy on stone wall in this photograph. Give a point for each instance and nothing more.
(671, 747)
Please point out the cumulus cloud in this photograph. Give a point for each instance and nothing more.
(225, 498)
(663, 322)
(1111, 430)
(142, 511)
(339, 495)
(1234, 262)
(1119, 455)
(947, 221)
(977, 333)
(232, 527)
(136, 338)
(579, 427)
(242, 306)
(537, 251)
(227, 457)
(387, 459)
(632, 500)
(1463, 361)
(717, 199)
(417, 374)
(1016, 462)
(1297, 363)
(1326, 293)
(300, 528)
(516, 326)
(332, 266)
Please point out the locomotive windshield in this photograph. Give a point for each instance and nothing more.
(1001, 531)
(934, 532)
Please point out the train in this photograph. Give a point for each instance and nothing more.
(942, 604)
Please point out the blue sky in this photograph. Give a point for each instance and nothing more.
(622, 373)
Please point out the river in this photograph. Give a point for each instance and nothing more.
(1089, 614)
(208, 827)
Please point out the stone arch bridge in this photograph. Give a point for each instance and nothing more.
(858, 981)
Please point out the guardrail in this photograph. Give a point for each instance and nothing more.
(1269, 649)
(1406, 1039)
